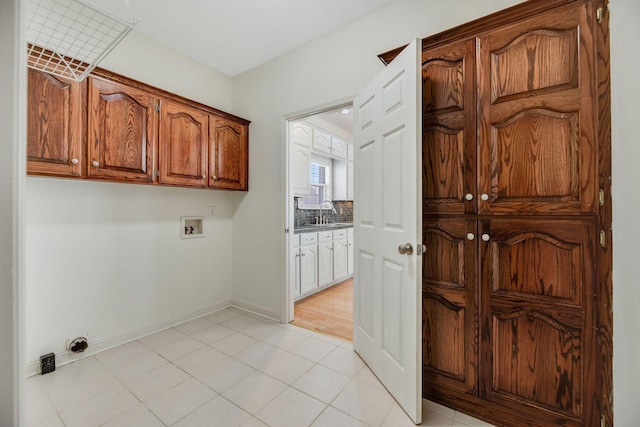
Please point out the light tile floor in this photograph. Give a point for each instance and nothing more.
(227, 369)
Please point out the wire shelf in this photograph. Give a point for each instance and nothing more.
(68, 38)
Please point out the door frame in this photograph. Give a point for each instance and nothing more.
(288, 219)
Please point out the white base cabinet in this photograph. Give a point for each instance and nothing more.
(304, 258)
(322, 259)
(340, 266)
(308, 268)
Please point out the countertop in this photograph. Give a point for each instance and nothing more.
(309, 228)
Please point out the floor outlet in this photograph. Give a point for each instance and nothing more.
(47, 363)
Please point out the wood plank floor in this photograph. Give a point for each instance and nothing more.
(329, 311)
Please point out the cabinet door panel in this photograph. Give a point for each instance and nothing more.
(340, 262)
(300, 161)
(538, 348)
(537, 123)
(448, 142)
(122, 132)
(55, 125)
(184, 137)
(228, 154)
(449, 303)
(308, 268)
(325, 263)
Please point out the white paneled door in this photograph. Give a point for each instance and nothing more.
(387, 227)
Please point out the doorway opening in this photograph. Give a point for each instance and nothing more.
(320, 220)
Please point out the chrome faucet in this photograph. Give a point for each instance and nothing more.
(321, 207)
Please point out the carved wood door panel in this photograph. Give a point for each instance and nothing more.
(538, 349)
(449, 137)
(55, 125)
(228, 154)
(123, 126)
(183, 141)
(450, 305)
(536, 86)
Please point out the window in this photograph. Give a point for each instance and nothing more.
(319, 184)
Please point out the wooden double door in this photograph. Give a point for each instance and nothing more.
(510, 220)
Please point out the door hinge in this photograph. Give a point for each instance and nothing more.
(603, 239)
(603, 421)
(421, 249)
(599, 15)
(601, 197)
(286, 230)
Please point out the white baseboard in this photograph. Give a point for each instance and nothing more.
(258, 310)
(66, 357)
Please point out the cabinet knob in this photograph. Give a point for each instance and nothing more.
(303, 254)
(74, 161)
(484, 196)
(213, 177)
(486, 237)
(470, 236)
(95, 163)
(204, 176)
(468, 196)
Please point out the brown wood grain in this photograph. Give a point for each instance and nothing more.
(229, 153)
(115, 121)
(183, 143)
(329, 311)
(604, 402)
(54, 140)
(541, 126)
(123, 125)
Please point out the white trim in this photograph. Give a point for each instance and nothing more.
(257, 310)
(12, 177)
(66, 357)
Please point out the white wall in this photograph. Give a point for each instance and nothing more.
(625, 93)
(327, 70)
(337, 66)
(106, 259)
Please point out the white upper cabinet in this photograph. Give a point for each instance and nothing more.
(338, 148)
(321, 142)
(302, 134)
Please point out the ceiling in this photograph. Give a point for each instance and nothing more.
(234, 36)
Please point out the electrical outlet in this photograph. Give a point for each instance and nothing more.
(47, 363)
(212, 211)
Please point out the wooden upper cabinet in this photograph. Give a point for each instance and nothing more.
(449, 137)
(123, 123)
(184, 136)
(228, 154)
(536, 115)
(55, 125)
(113, 128)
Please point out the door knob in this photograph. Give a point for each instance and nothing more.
(405, 249)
